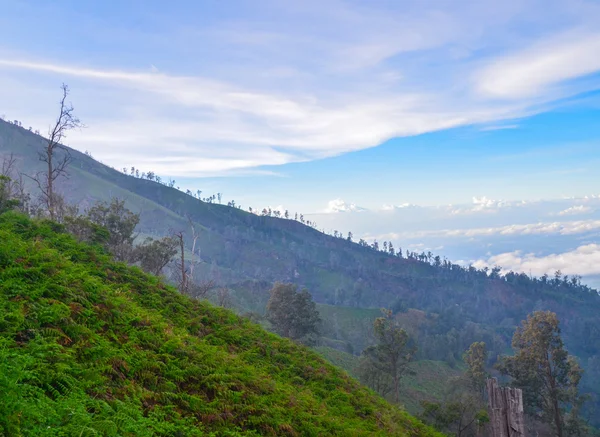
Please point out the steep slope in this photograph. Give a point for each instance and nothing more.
(92, 347)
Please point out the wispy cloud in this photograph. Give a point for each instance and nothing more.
(388, 207)
(576, 210)
(534, 70)
(270, 93)
(542, 228)
(258, 128)
(499, 127)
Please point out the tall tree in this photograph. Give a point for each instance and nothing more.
(56, 163)
(544, 370)
(372, 377)
(182, 273)
(293, 313)
(120, 223)
(154, 255)
(475, 358)
(462, 412)
(392, 353)
(195, 236)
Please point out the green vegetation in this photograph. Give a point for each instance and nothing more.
(392, 353)
(463, 409)
(89, 346)
(443, 307)
(548, 375)
(426, 381)
(6, 201)
(293, 314)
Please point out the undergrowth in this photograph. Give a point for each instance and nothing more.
(91, 347)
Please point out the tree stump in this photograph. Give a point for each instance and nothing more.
(506, 410)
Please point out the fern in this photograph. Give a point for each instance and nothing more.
(89, 347)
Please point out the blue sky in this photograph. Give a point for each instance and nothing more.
(319, 105)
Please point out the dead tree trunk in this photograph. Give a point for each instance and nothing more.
(506, 410)
(183, 280)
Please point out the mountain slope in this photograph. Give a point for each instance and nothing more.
(92, 347)
(456, 306)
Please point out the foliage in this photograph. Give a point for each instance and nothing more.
(392, 353)
(475, 358)
(90, 347)
(462, 416)
(153, 255)
(373, 376)
(120, 223)
(463, 411)
(7, 202)
(13, 194)
(543, 369)
(292, 313)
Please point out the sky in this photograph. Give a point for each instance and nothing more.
(389, 118)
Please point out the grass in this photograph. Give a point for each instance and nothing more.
(90, 347)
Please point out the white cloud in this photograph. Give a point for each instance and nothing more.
(532, 71)
(499, 127)
(214, 126)
(576, 210)
(561, 228)
(269, 93)
(338, 205)
(584, 260)
(542, 228)
(389, 207)
(483, 204)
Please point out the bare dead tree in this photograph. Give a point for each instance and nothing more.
(56, 165)
(183, 275)
(195, 236)
(8, 164)
(223, 297)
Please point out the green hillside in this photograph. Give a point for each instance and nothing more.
(93, 347)
(450, 306)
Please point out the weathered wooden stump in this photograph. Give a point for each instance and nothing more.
(506, 410)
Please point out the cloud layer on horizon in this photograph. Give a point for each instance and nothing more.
(583, 260)
(536, 236)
